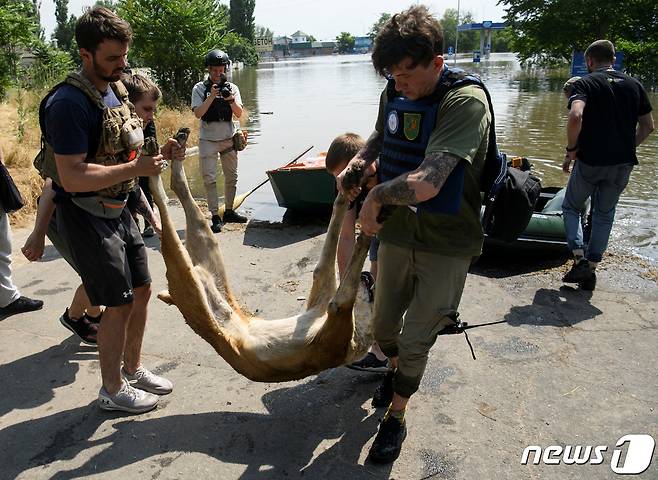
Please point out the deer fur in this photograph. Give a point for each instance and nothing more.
(334, 329)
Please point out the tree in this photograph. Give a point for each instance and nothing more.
(242, 17)
(65, 28)
(345, 42)
(548, 32)
(468, 41)
(502, 40)
(263, 32)
(109, 4)
(171, 38)
(19, 29)
(377, 26)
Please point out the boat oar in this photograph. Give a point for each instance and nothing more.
(239, 200)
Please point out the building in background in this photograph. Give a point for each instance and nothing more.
(299, 44)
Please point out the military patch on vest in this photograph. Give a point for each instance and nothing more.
(392, 122)
(411, 125)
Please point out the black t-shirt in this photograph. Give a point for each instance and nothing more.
(613, 103)
(73, 123)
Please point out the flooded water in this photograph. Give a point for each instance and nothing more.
(295, 104)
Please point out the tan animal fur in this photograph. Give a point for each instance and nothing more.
(335, 328)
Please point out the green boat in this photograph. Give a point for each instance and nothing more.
(305, 187)
(308, 187)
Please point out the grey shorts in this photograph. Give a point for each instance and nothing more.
(109, 253)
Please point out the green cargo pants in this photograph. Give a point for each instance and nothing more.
(428, 287)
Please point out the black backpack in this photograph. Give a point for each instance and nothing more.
(510, 194)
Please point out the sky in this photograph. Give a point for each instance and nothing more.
(320, 18)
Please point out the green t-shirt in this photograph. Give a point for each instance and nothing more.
(462, 129)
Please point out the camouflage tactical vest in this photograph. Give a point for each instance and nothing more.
(121, 134)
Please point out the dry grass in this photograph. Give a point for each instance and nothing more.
(168, 121)
(20, 154)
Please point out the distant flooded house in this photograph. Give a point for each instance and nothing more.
(300, 44)
(300, 37)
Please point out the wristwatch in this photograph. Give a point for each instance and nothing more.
(571, 149)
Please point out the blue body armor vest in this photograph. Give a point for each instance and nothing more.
(408, 125)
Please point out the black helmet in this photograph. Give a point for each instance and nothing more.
(216, 57)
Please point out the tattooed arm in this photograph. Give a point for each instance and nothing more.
(408, 189)
(371, 149)
(349, 180)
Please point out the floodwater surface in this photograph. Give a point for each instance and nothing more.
(302, 102)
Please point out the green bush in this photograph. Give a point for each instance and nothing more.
(640, 60)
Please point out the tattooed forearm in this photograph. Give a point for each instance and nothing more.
(395, 192)
(419, 185)
(372, 148)
(435, 169)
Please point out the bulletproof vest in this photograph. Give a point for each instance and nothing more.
(121, 136)
(219, 110)
(408, 125)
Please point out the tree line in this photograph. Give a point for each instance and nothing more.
(548, 32)
(468, 41)
(171, 39)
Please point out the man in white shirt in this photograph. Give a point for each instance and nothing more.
(216, 101)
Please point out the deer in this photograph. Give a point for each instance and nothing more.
(335, 328)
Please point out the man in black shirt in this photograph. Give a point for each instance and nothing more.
(610, 115)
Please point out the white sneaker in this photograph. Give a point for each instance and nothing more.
(146, 380)
(127, 399)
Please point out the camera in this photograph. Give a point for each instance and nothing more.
(224, 87)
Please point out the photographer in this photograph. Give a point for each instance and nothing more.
(216, 101)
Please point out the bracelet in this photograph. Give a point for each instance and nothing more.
(571, 149)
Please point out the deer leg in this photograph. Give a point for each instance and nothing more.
(347, 290)
(165, 297)
(336, 334)
(200, 242)
(324, 274)
(179, 264)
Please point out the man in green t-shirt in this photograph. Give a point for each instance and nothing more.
(431, 153)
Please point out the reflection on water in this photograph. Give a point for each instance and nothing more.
(297, 103)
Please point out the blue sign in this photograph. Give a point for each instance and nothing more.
(487, 24)
(451, 50)
(579, 66)
(476, 56)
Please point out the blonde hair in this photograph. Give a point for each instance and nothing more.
(139, 86)
(342, 149)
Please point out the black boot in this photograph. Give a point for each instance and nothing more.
(216, 225)
(388, 442)
(589, 284)
(580, 272)
(230, 216)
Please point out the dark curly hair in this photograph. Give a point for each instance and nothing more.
(414, 33)
(98, 24)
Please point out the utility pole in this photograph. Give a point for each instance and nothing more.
(457, 33)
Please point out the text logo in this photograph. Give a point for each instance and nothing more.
(637, 460)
